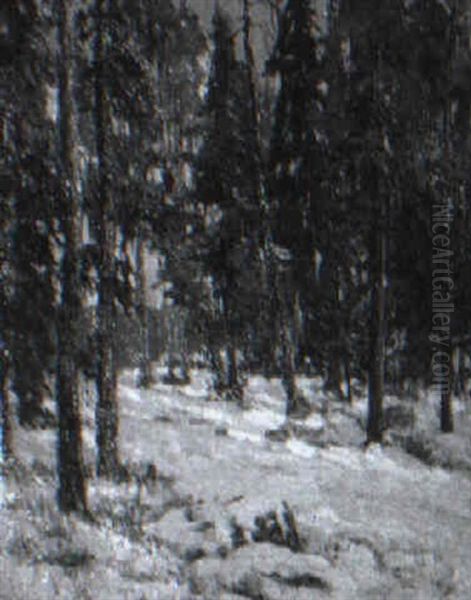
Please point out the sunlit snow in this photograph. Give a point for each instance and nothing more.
(376, 523)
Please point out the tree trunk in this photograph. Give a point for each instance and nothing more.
(348, 379)
(145, 372)
(288, 371)
(446, 411)
(250, 66)
(6, 424)
(460, 385)
(183, 345)
(72, 489)
(286, 328)
(446, 403)
(72, 494)
(107, 403)
(377, 326)
(271, 321)
(232, 362)
(217, 367)
(341, 346)
(171, 345)
(232, 368)
(334, 374)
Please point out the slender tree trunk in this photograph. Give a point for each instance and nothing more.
(348, 380)
(334, 374)
(446, 404)
(145, 372)
(172, 344)
(180, 345)
(460, 387)
(232, 368)
(5, 409)
(185, 369)
(288, 370)
(250, 66)
(183, 344)
(377, 327)
(72, 494)
(341, 350)
(334, 371)
(107, 404)
(217, 367)
(272, 319)
(288, 346)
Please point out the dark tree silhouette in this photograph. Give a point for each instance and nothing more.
(72, 494)
(107, 405)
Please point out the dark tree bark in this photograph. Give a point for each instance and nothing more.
(5, 409)
(334, 367)
(107, 404)
(250, 66)
(27, 191)
(172, 345)
(460, 385)
(288, 371)
(446, 392)
(271, 321)
(27, 389)
(348, 379)
(72, 489)
(232, 367)
(295, 403)
(377, 325)
(446, 404)
(216, 366)
(145, 372)
(334, 374)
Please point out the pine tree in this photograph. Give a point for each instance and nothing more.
(6, 425)
(29, 148)
(294, 165)
(374, 93)
(107, 404)
(6, 324)
(259, 349)
(227, 184)
(461, 95)
(434, 63)
(72, 495)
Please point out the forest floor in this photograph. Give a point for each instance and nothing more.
(391, 522)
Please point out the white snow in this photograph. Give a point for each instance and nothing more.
(376, 523)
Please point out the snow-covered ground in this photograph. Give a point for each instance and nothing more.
(376, 523)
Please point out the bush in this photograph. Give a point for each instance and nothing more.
(269, 529)
(399, 416)
(421, 447)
